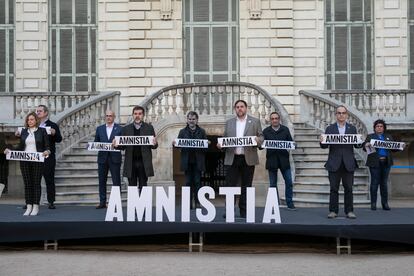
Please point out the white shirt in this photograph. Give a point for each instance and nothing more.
(240, 127)
(109, 130)
(43, 124)
(341, 129)
(30, 141)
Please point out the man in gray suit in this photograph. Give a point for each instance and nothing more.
(138, 159)
(341, 165)
(241, 161)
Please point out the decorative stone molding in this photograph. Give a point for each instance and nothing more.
(255, 9)
(166, 9)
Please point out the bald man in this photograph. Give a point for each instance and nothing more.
(108, 160)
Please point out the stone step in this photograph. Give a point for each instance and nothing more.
(75, 163)
(314, 137)
(85, 196)
(86, 170)
(322, 194)
(322, 177)
(321, 170)
(81, 157)
(82, 187)
(317, 202)
(310, 151)
(88, 202)
(77, 178)
(358, 186)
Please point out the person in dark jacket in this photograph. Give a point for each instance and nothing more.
(50, 163)
(138, 159)
(379, 163)
(193, 159)
(279, 158)
(32, 139)
(341, 165)
(4, 166)
(108, 160)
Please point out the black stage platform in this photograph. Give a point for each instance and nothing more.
(75, 222)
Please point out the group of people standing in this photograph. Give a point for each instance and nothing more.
(240, 160)
(342, 164)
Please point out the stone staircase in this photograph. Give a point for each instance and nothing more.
(311, 185)
(76, 177)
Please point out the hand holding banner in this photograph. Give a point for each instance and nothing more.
(191, 143)
(390, 145)
(345, 139)
(277, 144)
(25, 156)
(134, 140)
(229, 142)
(97, 146)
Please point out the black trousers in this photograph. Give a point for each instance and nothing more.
(4, 173)
(32, 176)
(103, 169)
(239, 170)
(348, 182)
(138, 175)
(49, 175)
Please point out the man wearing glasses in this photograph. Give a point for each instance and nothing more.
(108, 160)
(341, 164)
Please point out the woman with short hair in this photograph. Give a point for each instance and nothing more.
(379, 163)
(32, 139)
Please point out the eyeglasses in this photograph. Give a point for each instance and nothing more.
(109, 115)
(341, 113)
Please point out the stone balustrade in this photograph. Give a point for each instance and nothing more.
(375, 103)
(215, 98)
(56, 101)
(82, 119)
(318, 110)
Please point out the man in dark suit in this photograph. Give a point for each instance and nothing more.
(50, 163)
(138, 159)
(241, 161)
(108, 160)
(193, 159)
(341, 164)
(279, 158)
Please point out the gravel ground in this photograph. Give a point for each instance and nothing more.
(131, 263)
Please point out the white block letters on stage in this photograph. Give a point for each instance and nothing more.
(139, 205)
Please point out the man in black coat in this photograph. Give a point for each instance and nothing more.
(138, 159)
(341, 164)
(193, 159)
(279, 158)
(50, 163)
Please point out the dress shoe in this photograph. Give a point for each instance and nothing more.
(101, 206)
(351, 215)
(291, 208)
(373, 207)
(332, 215)
(386, 207)
(29, 208)
(35, 210)
(52, 206)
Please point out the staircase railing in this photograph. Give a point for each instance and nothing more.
(318, 110)
(81, 120)
(388, 104)
(213, 98)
